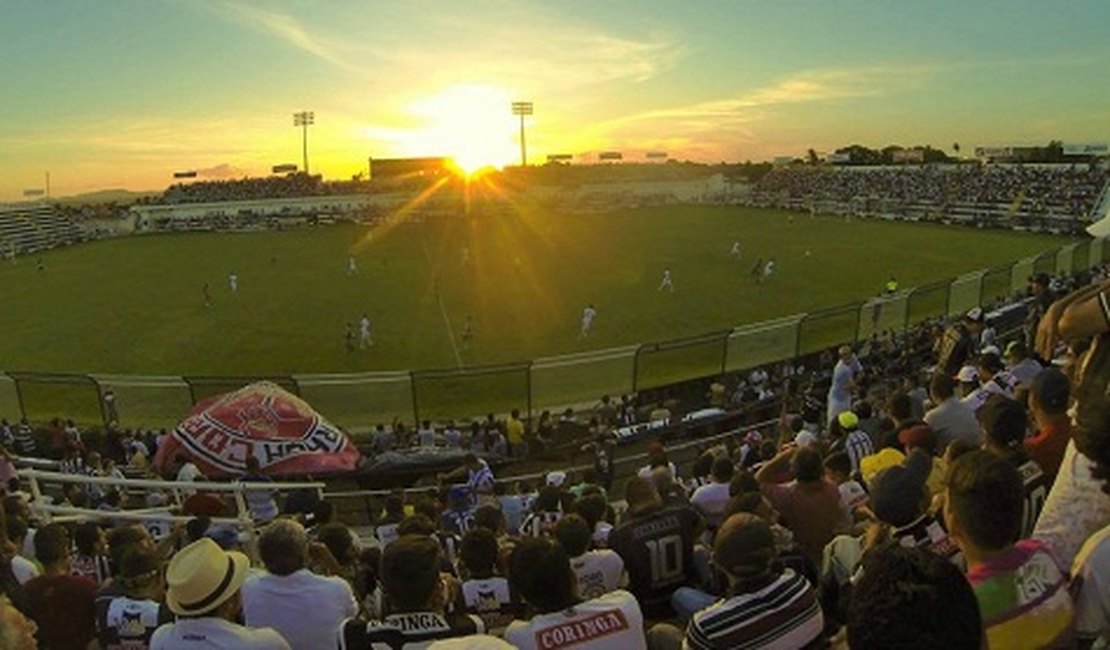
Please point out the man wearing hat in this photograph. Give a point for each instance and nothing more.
(203, 591)
(959, 342)
(1048, 404)
(762, 602)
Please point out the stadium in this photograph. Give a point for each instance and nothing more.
(853, 398)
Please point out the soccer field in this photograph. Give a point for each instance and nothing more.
(136, 305)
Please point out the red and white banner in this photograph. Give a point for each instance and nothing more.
(285, 434)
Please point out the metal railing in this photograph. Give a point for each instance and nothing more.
(356, 401)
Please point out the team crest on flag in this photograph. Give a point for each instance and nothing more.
(281, 430)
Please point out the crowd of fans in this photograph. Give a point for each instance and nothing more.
(944, 488)
(1062, 190)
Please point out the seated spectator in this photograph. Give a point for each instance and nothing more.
(1048, 404)
(599, 517)
(414, 601)
(458, 518)
(994, 379)
(599, 572)
(847, 437)
(1022, 591)
(542, 576)
(908, 598)
(921, 437)
(951, 419)
(1004, 426)
(303, 607)
(809, 504)
(60, 603)
(22, 568)
(91, 560)
(203, 591)
(386, 529)
(838, 469)
(485, 593)
(710, 499)
(764, 606)
(1021, 365)
(546, 512)
(342, 557)
(128, 617)
(657, 546)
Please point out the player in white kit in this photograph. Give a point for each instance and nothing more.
(364, 338)
(768, 268)
(233, 282)
(735, 252)
(666, 283)
(352, 268)
(588, 315)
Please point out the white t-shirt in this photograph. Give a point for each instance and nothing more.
(612, 621)
(710, 500)
(599, 572)
(24, 569)
(216, 633)
(852, 495)
(489, 599)
(588, 316)
(303, 607)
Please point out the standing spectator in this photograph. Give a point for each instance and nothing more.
(128, 614)
(599, 572)
(386, 529)
(1048, 404)
(204, 583)
(765, 607)
(514, 435)
(959, 342)
(951, 419)
(412, 587)
(383, 439)
(479, 478)
(809, 504)
(1022, 591)
(541, 575)
(1004, 425)
(426, 435)
(25, 442)
(857, 444)
(710, 499)
(60, 603)
(303, 607)
(909, 598)
(657, 546)
(458, 518)
(110, 412)
(844, 379)
(260, 502)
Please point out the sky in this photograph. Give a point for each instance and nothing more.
(123, 93)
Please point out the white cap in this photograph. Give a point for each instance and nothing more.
(968, 374)
(975, 314)
(556, 479)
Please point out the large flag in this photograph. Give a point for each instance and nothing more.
(285, 434)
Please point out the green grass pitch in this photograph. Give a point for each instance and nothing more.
(135, 305)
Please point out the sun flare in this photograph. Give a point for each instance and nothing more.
(471, 124)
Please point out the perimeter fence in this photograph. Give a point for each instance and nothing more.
(357, 401)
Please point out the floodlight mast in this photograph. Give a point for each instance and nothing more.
(522, 109)
(304, 119)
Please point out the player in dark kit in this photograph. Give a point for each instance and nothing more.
(657, 546)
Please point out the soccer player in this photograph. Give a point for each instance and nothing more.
(364, 338)
(207, 296)
(735, 252)
(768, 269)
(666, 283)
(467, 332)
(352, 267)
(233, 282)
(349, 339)
(588, 315)
(757, 269)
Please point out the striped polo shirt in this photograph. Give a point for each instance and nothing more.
(784, 614)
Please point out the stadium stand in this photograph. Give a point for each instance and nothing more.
(26, 228)
(1055, 197)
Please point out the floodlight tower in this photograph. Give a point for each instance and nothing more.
(522, 109)
(304, 119)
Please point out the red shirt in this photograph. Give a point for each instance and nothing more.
(62, 607)
(1047, 447)
(811, 510)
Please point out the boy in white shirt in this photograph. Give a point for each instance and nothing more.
(599, 572)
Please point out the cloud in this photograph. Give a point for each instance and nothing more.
(222, 171)
(286, 28)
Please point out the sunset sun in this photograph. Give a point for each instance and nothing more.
(471, 124)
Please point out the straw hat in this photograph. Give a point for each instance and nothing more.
(202, 576)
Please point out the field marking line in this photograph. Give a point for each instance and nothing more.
(450, 331)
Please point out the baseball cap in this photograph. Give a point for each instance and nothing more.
(848, 420)
(556, 479)
(975, 314)
(898, 492)
(1052, 390)
(968, 375)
